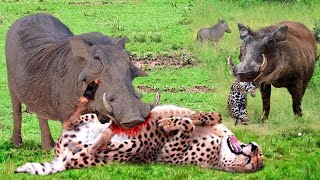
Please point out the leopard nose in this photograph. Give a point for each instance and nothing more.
(254, 147)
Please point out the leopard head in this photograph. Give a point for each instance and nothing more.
(236, 156)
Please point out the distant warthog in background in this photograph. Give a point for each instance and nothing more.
(213, 33)
(283, 55)
(49, 69)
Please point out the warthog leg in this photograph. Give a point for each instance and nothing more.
(296, 92)
(265, 93)
(46, 138)
(17, 117)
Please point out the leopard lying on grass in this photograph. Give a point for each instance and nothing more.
(170, 134)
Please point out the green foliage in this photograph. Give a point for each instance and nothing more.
(159, 27)
(316, 30)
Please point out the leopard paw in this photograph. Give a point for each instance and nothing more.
(166, 124)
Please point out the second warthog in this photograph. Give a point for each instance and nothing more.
(283, 55)
(213, 33)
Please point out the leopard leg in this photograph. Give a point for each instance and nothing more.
(174, 150)
(175, 123)
(124, 150)
(236, 112)
(103, 139)
(204, 119)
(236, 121)
(88, 95)
(73, 119)
(243, 111)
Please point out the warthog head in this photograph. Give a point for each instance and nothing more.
(224, 26)
(255, 50)
(106, 59)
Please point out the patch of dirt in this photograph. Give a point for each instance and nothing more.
(148, 89)
(200, 89)
(194, 89)
(160, 61)
(90, 3)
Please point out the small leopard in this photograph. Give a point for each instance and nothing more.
(237, 100)
(170, 134)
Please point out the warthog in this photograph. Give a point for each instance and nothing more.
(213, 33)
(283, 55)
(49, 69)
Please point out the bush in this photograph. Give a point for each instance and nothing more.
(316, 30)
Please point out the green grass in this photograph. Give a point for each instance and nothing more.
(158, 27)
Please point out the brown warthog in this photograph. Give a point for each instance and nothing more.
(283, 55)
(49, 69)
(213, 33)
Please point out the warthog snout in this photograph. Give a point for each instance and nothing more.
(244, 77)
(134, 117)
(132, 122)
(245, 73)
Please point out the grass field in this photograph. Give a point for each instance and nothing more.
(165, 27)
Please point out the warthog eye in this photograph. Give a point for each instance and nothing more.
(96, 57)
(111, 99)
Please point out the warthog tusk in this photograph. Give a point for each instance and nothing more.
(155, 101)
(106, 104)
(264, 63)
(111, 118)
(138, 95)
(262, 67)
(231, 65)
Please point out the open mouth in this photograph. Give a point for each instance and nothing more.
(234, 145)
(250, 151)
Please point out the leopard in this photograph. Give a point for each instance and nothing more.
(237, 100)
(170, 134)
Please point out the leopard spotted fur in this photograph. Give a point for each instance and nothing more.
(171, 134)
(237, 100)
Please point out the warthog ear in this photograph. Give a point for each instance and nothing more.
(79, 47)
(244, 31)
(121, 42)
(280, 34)
(140, 72)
